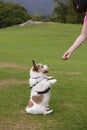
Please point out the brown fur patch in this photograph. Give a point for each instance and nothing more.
(30, 104)
(37, 99)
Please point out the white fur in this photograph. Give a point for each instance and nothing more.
(44, 82)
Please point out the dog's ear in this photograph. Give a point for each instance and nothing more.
(35, 66)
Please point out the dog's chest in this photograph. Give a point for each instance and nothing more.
(39, 85)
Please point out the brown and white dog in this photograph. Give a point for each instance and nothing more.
(40, 85)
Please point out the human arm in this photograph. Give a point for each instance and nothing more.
(80, 39)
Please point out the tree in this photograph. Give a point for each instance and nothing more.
(12, 14)
(65, 12)
(36, 17)
(61, 11)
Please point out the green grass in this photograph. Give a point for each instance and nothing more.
(44, 43)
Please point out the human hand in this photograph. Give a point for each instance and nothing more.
(66, 55)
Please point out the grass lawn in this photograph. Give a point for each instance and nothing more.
(44, 43)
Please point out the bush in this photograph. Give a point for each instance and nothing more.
(12, 14)
(36, 17)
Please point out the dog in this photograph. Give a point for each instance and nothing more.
(40, 85)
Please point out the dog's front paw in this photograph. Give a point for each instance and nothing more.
(53, 81)
(50, 77)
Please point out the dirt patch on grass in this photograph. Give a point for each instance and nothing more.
(71, 73)
(18, 125)
(68, 104)
(12, 82)
(12, 65)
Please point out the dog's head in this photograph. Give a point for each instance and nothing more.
(39, 69)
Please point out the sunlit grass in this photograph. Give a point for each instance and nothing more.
(44, 43)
